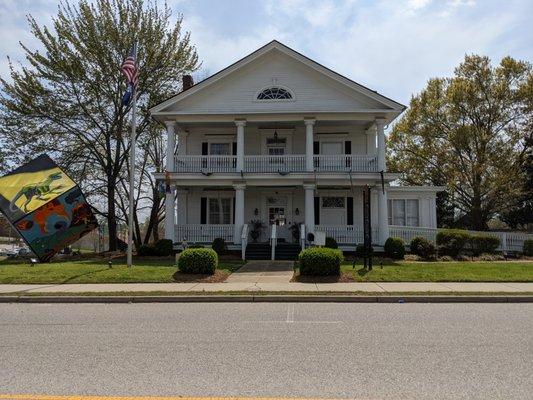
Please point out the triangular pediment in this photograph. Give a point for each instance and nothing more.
(313, 88)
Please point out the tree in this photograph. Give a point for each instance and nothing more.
(467, 133)
(67, 101)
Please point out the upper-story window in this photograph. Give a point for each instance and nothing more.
(274, 93)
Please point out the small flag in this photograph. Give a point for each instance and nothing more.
(131, 72)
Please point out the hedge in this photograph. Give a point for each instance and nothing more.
(482, 243)
(360, 251)
(331, 243)
(394, 248)
(219, 245)
(451, 242)
(147, 250)
(198, 261)
(320, 261)
(164, 247)
(423, 247)
(528, 247)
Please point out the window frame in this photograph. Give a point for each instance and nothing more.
(260, 91)
(406, 217)
(220, 212)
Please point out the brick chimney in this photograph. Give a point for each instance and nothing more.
(187, 82)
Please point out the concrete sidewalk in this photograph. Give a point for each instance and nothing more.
(295, 287)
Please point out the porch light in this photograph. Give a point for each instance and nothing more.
(297, 211)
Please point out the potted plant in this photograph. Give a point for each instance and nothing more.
(257, 227)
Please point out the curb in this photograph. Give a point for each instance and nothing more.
(266, 299)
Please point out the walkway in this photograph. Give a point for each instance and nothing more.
(263, 272)
(296, 287)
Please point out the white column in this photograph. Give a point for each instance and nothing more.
(170, 211)
(383, 215)
(380, 127)
(309, 123)
(239, 212)
(309, 208)
(371, 140)
(240, 145)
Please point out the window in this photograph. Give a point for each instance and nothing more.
(403, 212)
(276, 151)
(220, 211)
(332, 202)
(219, 149)
(274, 93)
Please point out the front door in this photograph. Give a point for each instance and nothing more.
(278, 215)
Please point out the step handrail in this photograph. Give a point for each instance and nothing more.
(244, 241)
(273, 242)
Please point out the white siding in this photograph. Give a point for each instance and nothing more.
(312, 91)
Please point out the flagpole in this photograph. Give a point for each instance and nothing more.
(132, 168)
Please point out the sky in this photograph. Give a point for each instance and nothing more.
(393, 47)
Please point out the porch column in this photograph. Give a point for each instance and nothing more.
(371, 140)
(170, 210)
(240, 145)
(239, 212)
(309, 207)
(383, 215)
(309, 123)
(380, 127)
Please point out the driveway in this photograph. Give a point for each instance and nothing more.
(263, 272)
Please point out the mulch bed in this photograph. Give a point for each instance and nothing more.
(343, 277)
(218, 276)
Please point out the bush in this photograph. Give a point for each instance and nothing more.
(164, 247)
(423, 247)
(195, 246)
(528, 247)
(147, 250)
(320, 261)
(481, 243)
(219, 245)
(198, 261)
(331, 243)
(360, 251)
(451, 242)
(394, 248)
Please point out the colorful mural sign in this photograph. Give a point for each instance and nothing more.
(46, 207)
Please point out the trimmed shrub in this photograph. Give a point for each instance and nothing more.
(198, 261)
(423, 247)
(394, 248)
(219, 245)
(331, 243)
(164, 247)
(528, 247)
(481, 243)
(196, 246)
(147, 250)
(360, 251)
(451, 242)
(320, 261)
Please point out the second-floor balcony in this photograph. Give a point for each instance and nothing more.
(280, 163)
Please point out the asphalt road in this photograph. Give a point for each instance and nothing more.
(391, 351)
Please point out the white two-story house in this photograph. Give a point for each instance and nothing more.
(278, 138)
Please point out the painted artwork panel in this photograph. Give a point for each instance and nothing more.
(30, 186)
(57, 224)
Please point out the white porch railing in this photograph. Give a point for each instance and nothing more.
(346, 234)
(285, 163)
(203, 233)
(352, 162)
(302, 236)
(205, 164)
(407, 233)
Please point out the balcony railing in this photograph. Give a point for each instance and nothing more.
(351, 162)
(205, 163)
(282, 164)
(203, 233)
(285, 163)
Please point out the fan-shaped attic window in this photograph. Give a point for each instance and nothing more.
(274, 93)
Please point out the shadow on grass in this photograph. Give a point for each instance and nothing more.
(218, 276)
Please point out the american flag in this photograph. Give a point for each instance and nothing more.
(131, 72)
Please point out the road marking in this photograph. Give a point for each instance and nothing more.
(75, 397)
(290, 313)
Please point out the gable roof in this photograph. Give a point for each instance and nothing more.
(275, 45)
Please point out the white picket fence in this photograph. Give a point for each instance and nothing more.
(509, 241)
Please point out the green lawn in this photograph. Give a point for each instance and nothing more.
(452, 271)
(95, 271)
